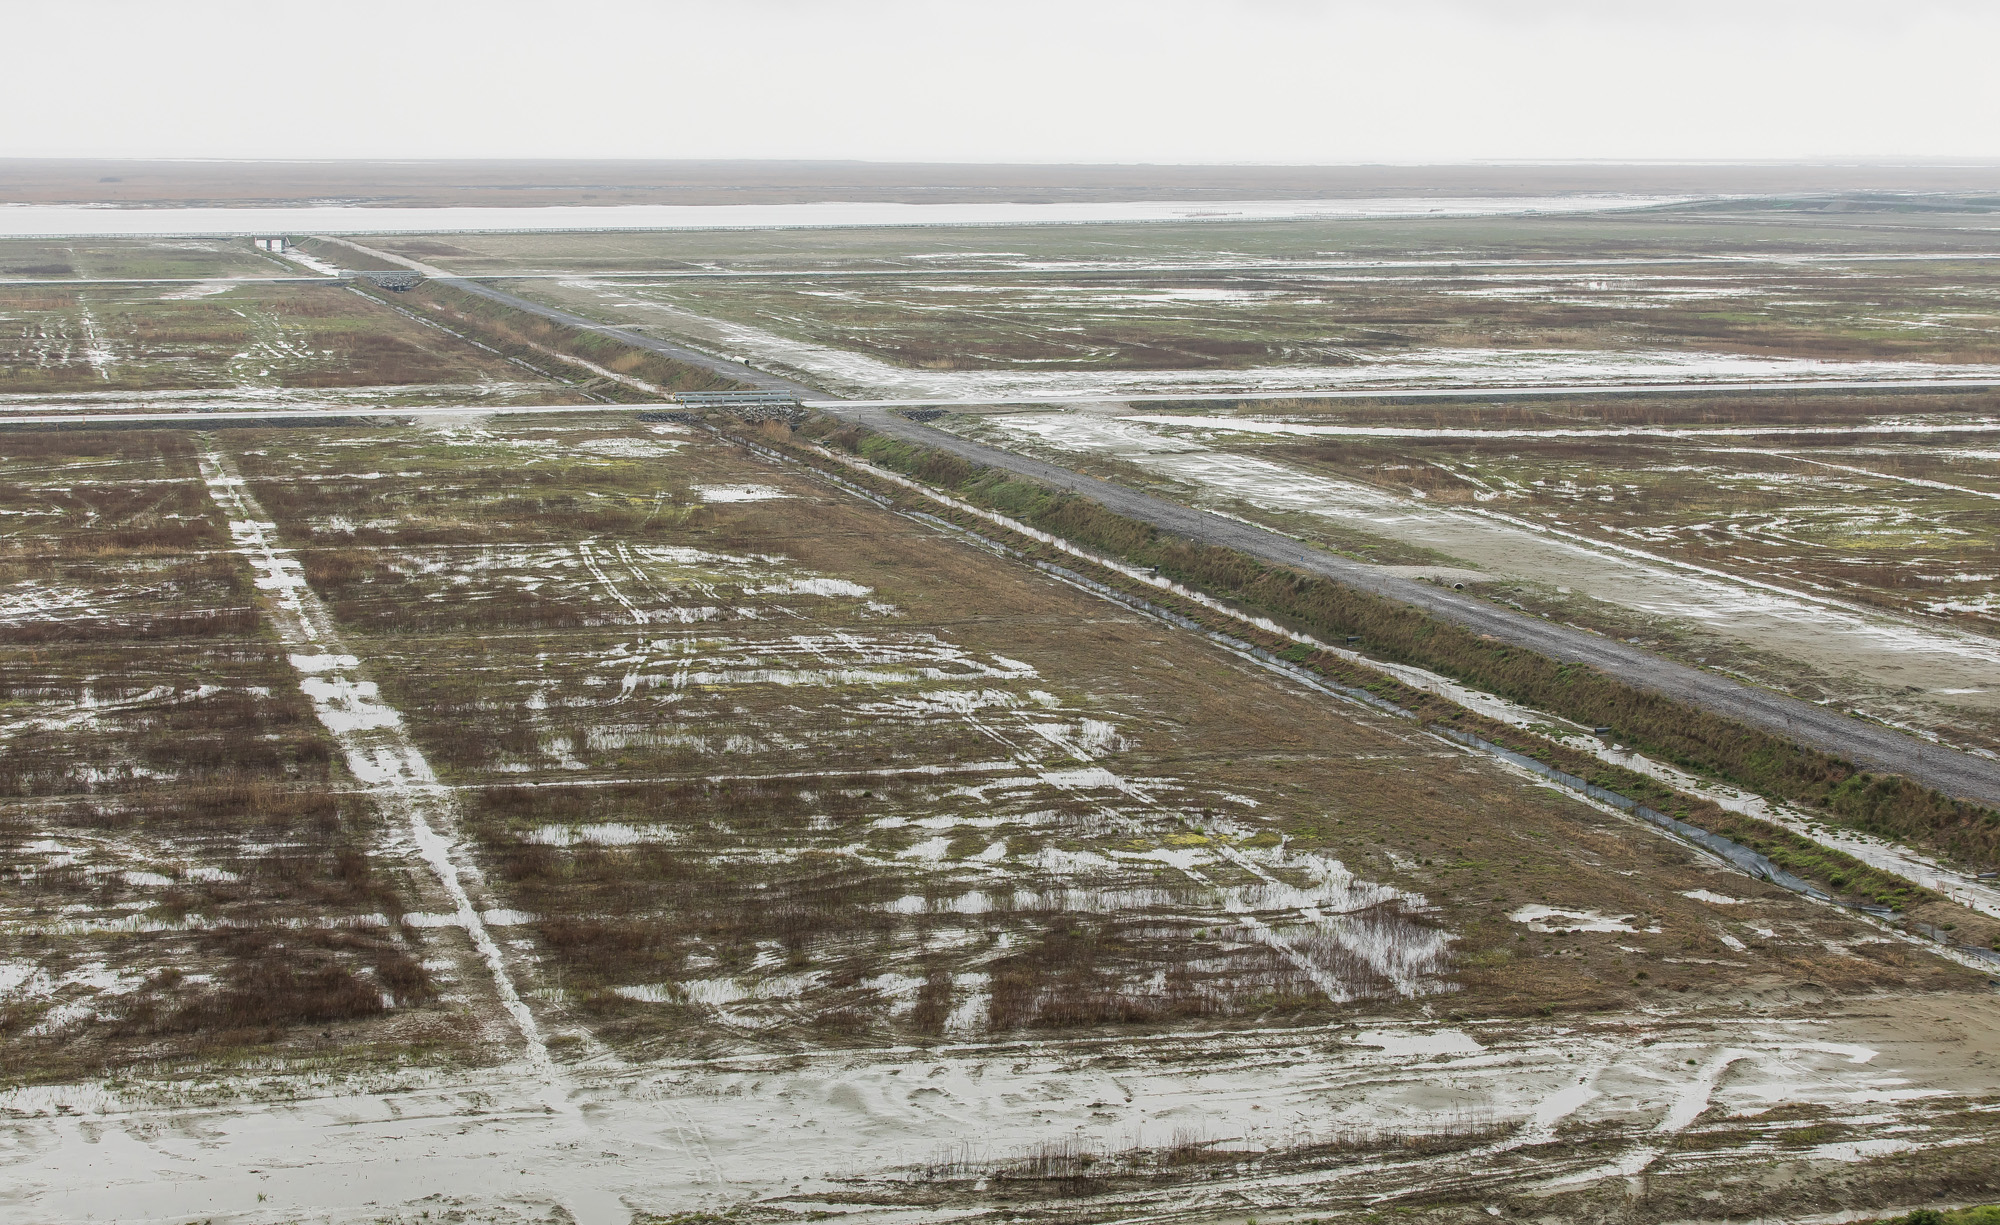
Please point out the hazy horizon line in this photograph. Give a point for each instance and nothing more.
(1816, 161)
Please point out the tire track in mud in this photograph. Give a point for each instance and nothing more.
(371, 734)
(590, 563)
(1334, 925)
(1564, 1110)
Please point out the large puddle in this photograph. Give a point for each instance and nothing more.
(1882, 653)
(803, 1132)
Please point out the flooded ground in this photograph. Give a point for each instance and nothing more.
(853, 374)
(756, 849)
(513, 818)
(1184, 1127)
(1892, 665)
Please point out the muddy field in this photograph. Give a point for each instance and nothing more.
(30, 259)
(1839, 548)
(615, 753)
(1933, 310)
(186, 876)
(226, 342)
(737, 741)
(1351, 300)
(604, 818)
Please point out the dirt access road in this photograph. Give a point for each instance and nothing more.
(1869, 745)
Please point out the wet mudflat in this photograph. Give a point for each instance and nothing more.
(708, 830)
(1645, 1116)
(519, 819)
(1844, 562)
(233, 342)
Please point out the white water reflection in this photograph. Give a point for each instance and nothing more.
(41, 220)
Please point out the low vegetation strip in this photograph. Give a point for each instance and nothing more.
(1882, 804)
(1759, 848)
(1734, 852)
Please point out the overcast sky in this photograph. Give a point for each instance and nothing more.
(1298, 81)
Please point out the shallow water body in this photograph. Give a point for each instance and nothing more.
(39, 220)
(797, 1130)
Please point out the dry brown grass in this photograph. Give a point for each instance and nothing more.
(291, 335)
(524, 336)
(697, 840)
(163, 748)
